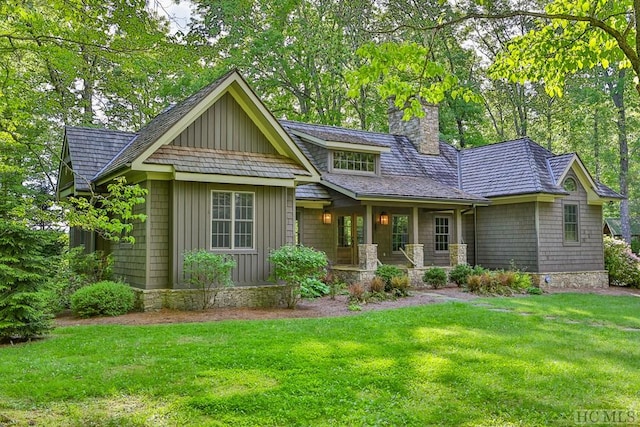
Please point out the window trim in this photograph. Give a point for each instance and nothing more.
(566, 182)
(564, 224)
(436, 234)
(393, 216)
(232, 231)
(376, 164)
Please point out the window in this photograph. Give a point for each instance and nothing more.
(231, 220)
(399, 232)
(571, 223)
(352, 161)
(570, 184)
(442, 234)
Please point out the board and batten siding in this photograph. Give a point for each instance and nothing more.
(427, 225)
(225, 126)
(556, 255)
(191, 227)
(507, 233)
(468, 236)
(130, 260)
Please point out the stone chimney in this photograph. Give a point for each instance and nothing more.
(423, 132)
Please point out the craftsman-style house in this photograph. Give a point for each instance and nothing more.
(223, 174)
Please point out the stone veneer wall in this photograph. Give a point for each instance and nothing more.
(267, 296)
(572, 280)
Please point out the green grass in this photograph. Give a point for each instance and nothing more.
(505, 361)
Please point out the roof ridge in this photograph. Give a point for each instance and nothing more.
(320, 125)
(102, 129)
(527, 143)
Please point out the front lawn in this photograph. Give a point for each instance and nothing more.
(517, 361)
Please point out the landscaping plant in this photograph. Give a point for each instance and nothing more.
(460, 273)
(26, 258)
(621, 263)
(435, 276)
(293, 265)
(104, 298)
(499, 282)
(387, 272)
(313, 288)
(209, 273)
(400, 285)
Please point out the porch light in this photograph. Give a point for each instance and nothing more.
(384, 218)
(326, 217)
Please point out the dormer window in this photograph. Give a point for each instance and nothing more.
(354, 161)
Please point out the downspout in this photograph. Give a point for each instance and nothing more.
(475, 235)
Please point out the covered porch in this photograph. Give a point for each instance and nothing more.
(359, 236)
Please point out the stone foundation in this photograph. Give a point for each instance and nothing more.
(572, 280)
(191, 299)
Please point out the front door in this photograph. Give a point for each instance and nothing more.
(350, 234)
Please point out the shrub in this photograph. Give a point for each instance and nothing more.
(295, 264)
(313, 288)
(436, 277)
(460, 273)
(102, 299)
(622, 264)
(400, 285)
(635, 245)
(357, 293)
(26, 258)
(386, 273)
(377, 285)
(208, 273)
(499, 282)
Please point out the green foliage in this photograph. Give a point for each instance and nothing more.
(435, 276)
(635, 245)
(78, 269)
(208, 273)
(104, 298)
(621, 263)
(313, 288)
(300, 372)
(534, 290)
(387, 272)
(295, 264)
(400, 285)
(111, 215)
(499, 282)
(26, 258)
(460, 273)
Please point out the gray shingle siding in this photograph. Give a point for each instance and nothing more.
(505, 233)
(558, 256)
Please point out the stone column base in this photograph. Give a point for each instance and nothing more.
(368, 256)
(457, 254)
(415, 251)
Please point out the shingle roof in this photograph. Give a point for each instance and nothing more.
(402, 187)
(559, 164)
(616, 227)
(338, 134)
(91, 149)
(204, 160)
(508, 168)
(312, 192)
(158, 126)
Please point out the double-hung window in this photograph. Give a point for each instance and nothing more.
(442, 234)
(232, 220)
(399, 232)
(571, 228)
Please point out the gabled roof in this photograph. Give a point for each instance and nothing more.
(91, 149)
(615, 226)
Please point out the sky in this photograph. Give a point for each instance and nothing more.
(178, 14)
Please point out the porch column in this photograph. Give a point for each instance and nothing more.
(458, 250)
(415, 251)
(368, 226)
(368, 256)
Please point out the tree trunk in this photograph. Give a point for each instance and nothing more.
(617, 96)
(596, 142)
